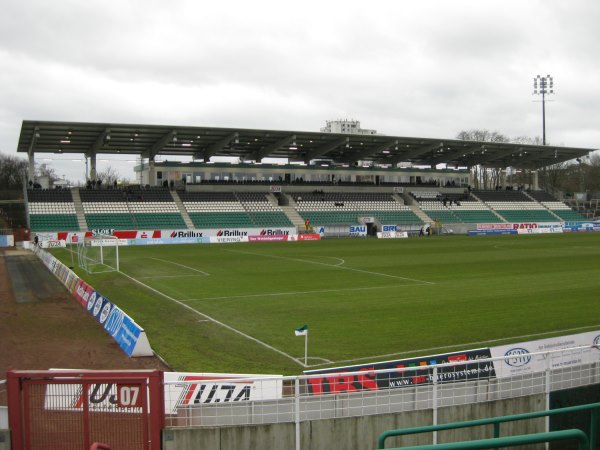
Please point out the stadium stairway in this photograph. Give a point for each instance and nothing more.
(502, 219)
(558, 219)
(292, 214)
(79, 209)
(182, 210)
(420, 213)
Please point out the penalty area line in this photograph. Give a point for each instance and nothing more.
(215, 321)
(292, 293)
(181, 265)
(334, 266)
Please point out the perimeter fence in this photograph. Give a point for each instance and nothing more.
(267, 400)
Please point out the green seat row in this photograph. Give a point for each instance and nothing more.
(221, 220)
(110, 221)
(477, 216)
(442, 215)
(569, 214)
(270, 219)
(153, 221)
(53, 222)
(527, 215)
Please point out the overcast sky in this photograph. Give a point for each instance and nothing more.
(428, 68)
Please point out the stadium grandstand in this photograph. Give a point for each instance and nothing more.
(337, 177)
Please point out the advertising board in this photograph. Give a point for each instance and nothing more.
(581, 227)
(406, 373)
(122, 328)
(189, 389)
(528, 357)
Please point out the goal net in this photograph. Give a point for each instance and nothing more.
(98, 254)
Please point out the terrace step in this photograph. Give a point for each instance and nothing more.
(182, 210)
(79, 209)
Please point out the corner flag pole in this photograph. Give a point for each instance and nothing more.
(303, 331)
(306, 348)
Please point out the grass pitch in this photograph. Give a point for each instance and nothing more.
(234, 307)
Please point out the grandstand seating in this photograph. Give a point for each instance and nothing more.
(51, 210)
(559, 208)
(155, 208)
(458, 208)
(131, 208)
(232, 210)
(323, 208)
(517, 206)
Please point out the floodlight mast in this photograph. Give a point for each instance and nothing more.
(545, 86)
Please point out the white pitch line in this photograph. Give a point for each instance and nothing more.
(279, 294)
(333, 266)
(154, 277)
(181, 265)
(224, 325)
(464, 344)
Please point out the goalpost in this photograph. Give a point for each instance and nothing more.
(98, 254)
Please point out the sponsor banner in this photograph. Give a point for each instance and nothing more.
(181, 390)
(82, 292)
(105, 397)
(309, 237)
(491, 232)
(108, 242)
(188, 389)
(7, 240)
(227, 239)
(274, 238)
(386, 228)
(540, 230)
(357, 230)
(152, 241)
(525, 357)
(392, 234)
(406, 373)
(494, 226)
(129, 335)
(581, 227)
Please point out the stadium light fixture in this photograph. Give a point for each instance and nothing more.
(543, 86)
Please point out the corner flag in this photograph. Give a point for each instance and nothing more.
(301, 331)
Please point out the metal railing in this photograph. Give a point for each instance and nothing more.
(496, 421)
(511, 441)
(336, 395)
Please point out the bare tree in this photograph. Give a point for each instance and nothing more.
(108, 176)
(44, 170)
(13, 171)
(484, 177)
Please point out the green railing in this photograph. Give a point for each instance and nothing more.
(496, 421)
(511, 441)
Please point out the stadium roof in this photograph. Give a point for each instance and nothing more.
(202, 143)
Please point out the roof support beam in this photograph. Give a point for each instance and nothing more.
(159, 145)
(99, 142)
(31, 153)
(357, 156)
(258, 155)
(413, 153)
(325, 149)
(219, 145)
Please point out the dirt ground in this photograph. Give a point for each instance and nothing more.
(42, 326)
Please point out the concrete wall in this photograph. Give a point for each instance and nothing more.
(354, 433)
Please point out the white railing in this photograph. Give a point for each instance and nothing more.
(337, 395)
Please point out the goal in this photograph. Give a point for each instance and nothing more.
(98, 254)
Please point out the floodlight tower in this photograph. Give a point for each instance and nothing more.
(545, 86)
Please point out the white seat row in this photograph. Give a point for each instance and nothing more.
(52, 208)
